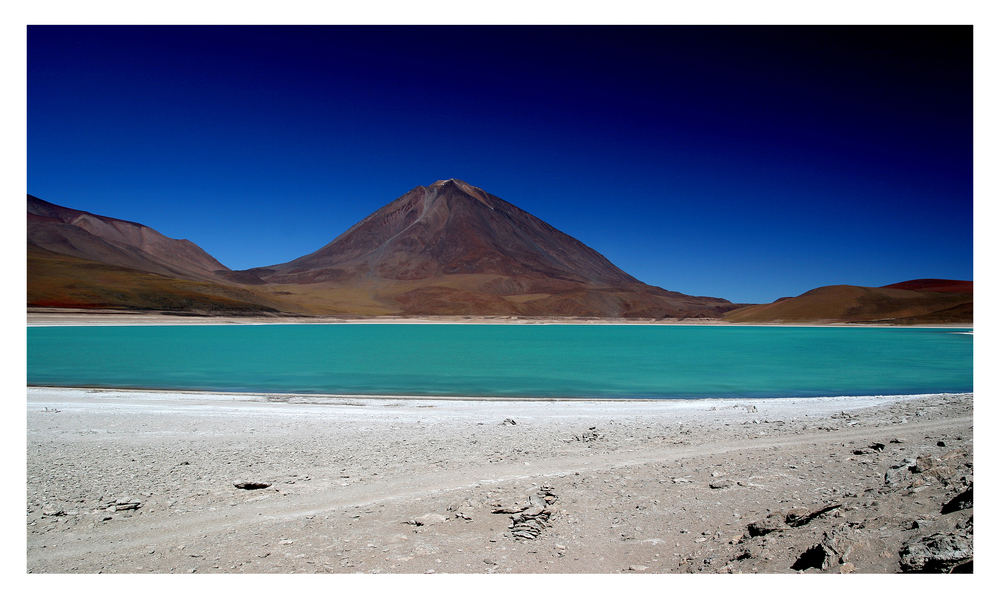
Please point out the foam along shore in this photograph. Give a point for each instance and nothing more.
(58, 317)
(149, 481)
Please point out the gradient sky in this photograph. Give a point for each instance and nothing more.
(749, 163)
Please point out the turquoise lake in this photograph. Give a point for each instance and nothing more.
(601, 361)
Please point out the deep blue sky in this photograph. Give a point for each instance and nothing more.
(743, 162)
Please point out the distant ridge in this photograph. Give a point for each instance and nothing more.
(117, 242)
(911, 302)
(934, 285)
(77, 259)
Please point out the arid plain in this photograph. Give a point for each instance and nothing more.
(132, 481)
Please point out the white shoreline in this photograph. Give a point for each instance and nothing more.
(56, 319)
(291, 398)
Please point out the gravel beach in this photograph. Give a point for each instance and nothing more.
(126, 481)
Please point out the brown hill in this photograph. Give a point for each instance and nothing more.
(77, 259)
(934, 285)
(452, 248)
(58, 280)
(895, 304)
(119, 242)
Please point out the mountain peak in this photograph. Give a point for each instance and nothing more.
(458, 184)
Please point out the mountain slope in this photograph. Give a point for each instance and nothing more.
(120, 242)
(65, 281)
(895, 303)
(82, 260)
(452, 248)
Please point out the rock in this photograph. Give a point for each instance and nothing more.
(590, 435)
(820, 556)
(428, 519)
(801, 516)
(509, 422)
(940, 552)
(251, 485)
(922, 464)
(899, 472)
(528, 521)
(940, 444)
(774, 522)
(962, 501)
(723, 484)
(847, 568)
(637, 568)
(124, 504)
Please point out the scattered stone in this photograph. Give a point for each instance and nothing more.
(820, 556)
(799, 516)
(897, 473)
(431, 518)
(940, 552)
(591, 434)
(530, 519)
(250, 485)
(871, 449)
(122, 505)
(962, 501)
(774, 522)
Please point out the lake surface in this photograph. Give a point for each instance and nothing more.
(604, 361)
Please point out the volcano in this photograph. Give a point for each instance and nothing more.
(453, 249)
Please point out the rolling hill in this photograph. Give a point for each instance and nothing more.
(911, 302)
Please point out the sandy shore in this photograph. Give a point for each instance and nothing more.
(57, 317)
(131, 481)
